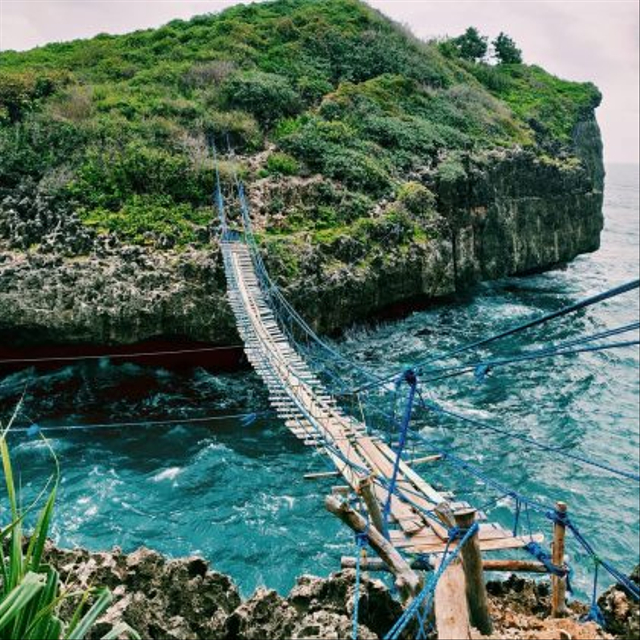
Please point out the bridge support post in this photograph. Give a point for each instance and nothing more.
(559, 583)
(474, 576)
(373, 506)
(407, 580)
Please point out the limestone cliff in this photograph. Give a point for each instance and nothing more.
(509, 214)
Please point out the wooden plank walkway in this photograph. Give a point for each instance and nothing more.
(313, 416)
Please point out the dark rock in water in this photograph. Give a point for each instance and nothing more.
(621, 612)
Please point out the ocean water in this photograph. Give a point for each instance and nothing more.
(234, 492)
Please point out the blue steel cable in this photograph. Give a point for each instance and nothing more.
(561, 349)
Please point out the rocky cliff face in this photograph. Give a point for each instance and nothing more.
(516, 214)
(505, 213)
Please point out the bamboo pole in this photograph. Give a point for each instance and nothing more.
(365, 488)
(407, 581)
(472, 565)
(559, 583)
(424, 459)
(321, 475)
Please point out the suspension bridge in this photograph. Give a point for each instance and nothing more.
(400, 511)
(313, 415)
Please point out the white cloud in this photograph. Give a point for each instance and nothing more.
(583, 40)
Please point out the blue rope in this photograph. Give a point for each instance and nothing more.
(482, 368)
(246, 419)
(432, 406)
(611, 293)
(218, 199)
(425, 597)
(595, 614)
(544, 557)
(412, 381)
(362, 541)
(622, 579)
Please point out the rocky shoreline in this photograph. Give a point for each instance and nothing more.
(185, 599)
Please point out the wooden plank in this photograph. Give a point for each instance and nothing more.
(490, 532)
(409, 473)
(450, 605)
(378, 451)
(502, 544)
(409, 519)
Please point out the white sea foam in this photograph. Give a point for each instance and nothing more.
(167, 474)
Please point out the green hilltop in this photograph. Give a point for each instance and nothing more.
(117, 128)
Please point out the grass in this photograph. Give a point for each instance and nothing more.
(31, 593)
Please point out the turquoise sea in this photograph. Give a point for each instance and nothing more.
(235, 493)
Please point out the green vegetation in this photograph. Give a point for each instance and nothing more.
(416, 198)
(282, 164)
(119, 127)
(549, 105)
(471, 45)
(506, 50)
(31, 593)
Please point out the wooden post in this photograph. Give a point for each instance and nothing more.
(509, 566)
(365, 489)
(472, 565)
(407, 581)
(559, 583)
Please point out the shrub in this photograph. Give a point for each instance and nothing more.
(241, 127)
(268, 96)
(145, 219)
(20, 92)
(75, 105)
(357, 170)
(282, 164)
(107, 178)
(451, 169)
(313, 88)
(416, 197)
(205, 74)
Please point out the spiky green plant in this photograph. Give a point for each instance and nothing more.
(30, 590)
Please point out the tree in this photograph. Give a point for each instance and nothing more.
(471, 45)
(506, 51)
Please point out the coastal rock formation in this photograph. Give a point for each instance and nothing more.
(382, 171)
(621, 612)
(184, 599)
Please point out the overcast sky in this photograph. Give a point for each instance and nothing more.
(593, 40)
